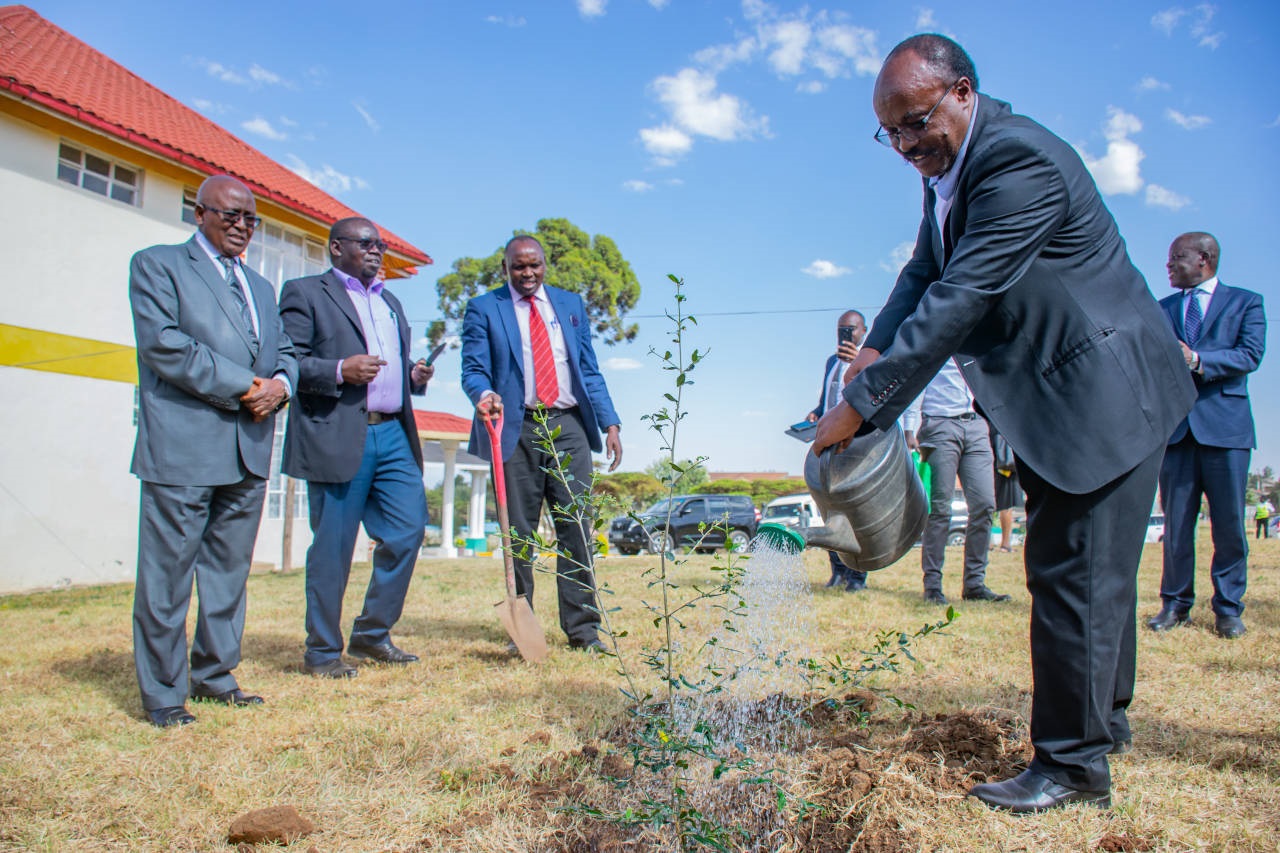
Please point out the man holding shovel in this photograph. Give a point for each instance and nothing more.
(528, 345)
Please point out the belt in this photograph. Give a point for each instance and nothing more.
(552, 414)
(383, 417)
(963, 416)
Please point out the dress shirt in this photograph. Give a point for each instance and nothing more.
(214, 254)
(381, 338)
(834, 381)
(946, 396)
(944, 185)
(558, 349)
(1205, 294)
(241, 280)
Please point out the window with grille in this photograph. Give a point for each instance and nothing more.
(99, 174)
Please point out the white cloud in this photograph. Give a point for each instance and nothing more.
(326, 177)
(898, 257)
(925, 22)
(666, 143)
(811, 87)
(637, 186)
(677, 182)
(369, 120)
(507, 20)
(288, 122)
(210, 107)
(698, 109)
(825, 269)
(1158, 196)
(261, 75)
(1167, 20)
(221, 72)
(791, 43)
(1201, 20)
(721, 56)
(659, 4)
(260, 126)
(1118, 172)
(591, 8)
(1151, 84)
(619, 363)
(1200, 29)
(1187, 122)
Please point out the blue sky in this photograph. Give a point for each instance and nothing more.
(728, 143)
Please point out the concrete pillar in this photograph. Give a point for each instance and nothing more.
(475, 516)
(450, 451)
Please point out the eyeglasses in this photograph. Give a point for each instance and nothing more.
(231, 217)
(364, 243)
(912, 130)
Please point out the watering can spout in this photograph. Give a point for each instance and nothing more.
(837, 535)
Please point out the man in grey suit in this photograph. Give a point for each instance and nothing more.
(214, 365)
(353, 438)
(1020, 272)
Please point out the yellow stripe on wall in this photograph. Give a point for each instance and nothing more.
(35, 349)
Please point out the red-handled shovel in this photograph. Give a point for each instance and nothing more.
(515, 612)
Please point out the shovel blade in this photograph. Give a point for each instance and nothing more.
(523, 628)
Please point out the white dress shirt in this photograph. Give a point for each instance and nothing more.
(946, 395)
(564, 377)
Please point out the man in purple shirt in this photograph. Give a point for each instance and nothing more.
(353, 438)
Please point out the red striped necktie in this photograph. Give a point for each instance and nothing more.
(544, 363)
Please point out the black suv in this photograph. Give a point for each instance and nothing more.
(736, 512)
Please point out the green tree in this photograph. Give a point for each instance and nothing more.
(590, 266)
(691, 474)
(632, 489)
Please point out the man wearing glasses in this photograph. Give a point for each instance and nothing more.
(214, 365)
(1020, 272)
(353, 438)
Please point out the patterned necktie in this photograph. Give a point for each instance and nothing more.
(1191, 325)
(238, 295)
(544, 363)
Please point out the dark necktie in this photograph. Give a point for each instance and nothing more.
(544, 362)
(238, 295)
(1194, 319)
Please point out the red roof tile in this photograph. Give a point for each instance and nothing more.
(43, 63)
(442, 422)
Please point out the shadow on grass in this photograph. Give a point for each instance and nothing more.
(108, 672)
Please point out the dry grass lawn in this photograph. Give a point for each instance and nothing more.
(474, 750)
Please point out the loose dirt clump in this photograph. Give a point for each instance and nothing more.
(1112, 843)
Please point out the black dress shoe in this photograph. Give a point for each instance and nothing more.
(855, 586)
(1033, 792)
(984, 594)
(331, 669)
(235, 697)
(382, 653)
(163, 718)
(1228, 627)
(1168, 617)
(935, 596)
(593, 645)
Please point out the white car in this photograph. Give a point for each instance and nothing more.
(1155, 528)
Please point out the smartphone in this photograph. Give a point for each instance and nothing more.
(845, 334)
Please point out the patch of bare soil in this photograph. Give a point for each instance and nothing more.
(844, 780)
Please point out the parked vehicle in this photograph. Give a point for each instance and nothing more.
(653, 535)
(796, 510)
(1155, 528)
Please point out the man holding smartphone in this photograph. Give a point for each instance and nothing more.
(352, 436)
(851, 328)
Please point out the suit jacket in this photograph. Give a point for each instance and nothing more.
(1232, 340)
(1030, 284)
(328, 421)
(822, 392)
(492, 359)
(195, 360)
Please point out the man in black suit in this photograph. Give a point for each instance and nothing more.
(1020, 272)
(1223, 333)
(353, 438)
(851, 329)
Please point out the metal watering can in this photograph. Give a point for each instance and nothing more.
(871, 500)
